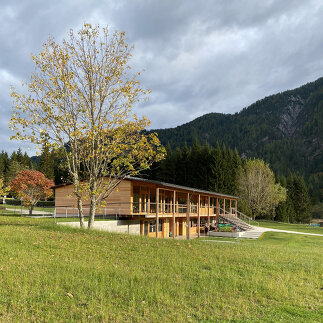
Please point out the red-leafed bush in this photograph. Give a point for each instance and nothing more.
(31, 186)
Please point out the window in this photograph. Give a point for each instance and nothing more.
(152, 226)
(211, 201)
(152, 195)
(193, 223)
(160, 226)
(203, 201)
(144, 202)
(135, 204)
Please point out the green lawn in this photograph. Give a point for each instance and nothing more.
(50, 273)
(290, 227)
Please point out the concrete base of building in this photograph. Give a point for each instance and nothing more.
(118, 226)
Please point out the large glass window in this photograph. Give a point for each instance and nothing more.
(152, 200)
(144, 202)
(135, 203)
(168, 199)
(152, 226)
(203, 198)
(182, 208)
(145, 227)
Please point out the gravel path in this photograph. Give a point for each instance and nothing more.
(261, 229)
(27, 212)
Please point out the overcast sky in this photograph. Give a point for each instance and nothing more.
(198, 56)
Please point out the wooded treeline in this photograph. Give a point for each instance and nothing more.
(216, 168)
(203, 167)
(200, 166)
(11, 165)
(51, 164)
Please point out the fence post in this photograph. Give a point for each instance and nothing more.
(55, 215)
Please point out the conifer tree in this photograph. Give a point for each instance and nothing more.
(301, 200)
(217, 165)
(194, 164)
(46, 164)
(167, 171)
(184, 166)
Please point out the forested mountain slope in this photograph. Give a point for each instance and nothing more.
(285, 129)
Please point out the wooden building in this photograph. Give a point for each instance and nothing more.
(164, 210)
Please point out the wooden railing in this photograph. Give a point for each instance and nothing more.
(168, 208)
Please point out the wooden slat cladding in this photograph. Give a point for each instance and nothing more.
(118, 201)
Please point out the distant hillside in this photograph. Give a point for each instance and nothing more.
(286, 129)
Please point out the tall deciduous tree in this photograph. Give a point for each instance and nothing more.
(257, 188)
(3, 189)
(82, 94)
(31, 186)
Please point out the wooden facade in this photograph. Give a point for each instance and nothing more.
(164, 210)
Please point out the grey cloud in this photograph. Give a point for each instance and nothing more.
(198, 56)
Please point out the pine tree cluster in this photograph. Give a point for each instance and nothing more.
(202, 167)
(296, 209)
(11, 166)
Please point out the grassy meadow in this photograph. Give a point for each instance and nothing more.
(50, 273)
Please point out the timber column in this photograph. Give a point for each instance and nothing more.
(198, 216)
(157, 211)
(217, 213)
(188, 228)
(174, 210)
(208, 212)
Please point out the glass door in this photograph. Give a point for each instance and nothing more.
(146, 228)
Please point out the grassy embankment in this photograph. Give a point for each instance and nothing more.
(57, 274)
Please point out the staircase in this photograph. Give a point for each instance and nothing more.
(232, 219)
(247, 230)
(235, 220)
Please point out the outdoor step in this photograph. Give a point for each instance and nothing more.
(251, 234)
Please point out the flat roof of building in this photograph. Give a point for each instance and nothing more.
(186, 188)
(164, 184)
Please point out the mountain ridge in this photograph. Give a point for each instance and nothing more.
(285, 129)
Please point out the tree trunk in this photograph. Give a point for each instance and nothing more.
(79, 200)
(253, 215)
(31, 208)
(80, 209)
(92, 213)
